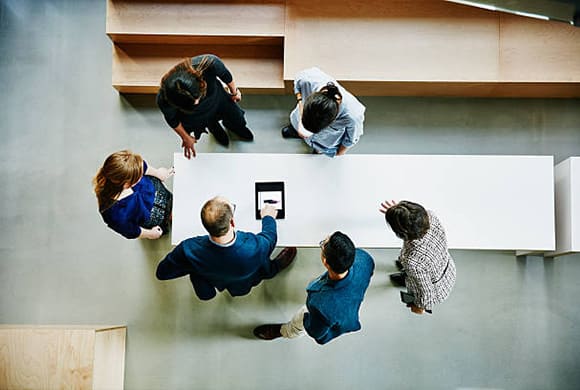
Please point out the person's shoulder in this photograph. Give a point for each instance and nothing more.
(361, 254)
(364, 259)
(117, 211)
(195, 242)
(314, 74)
(433, 218)
(353, 107)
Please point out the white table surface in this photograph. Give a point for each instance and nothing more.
(484, 202)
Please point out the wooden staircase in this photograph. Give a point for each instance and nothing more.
(374, 47)
(149, 37)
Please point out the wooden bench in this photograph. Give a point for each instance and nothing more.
(149, 37)
(484, 202)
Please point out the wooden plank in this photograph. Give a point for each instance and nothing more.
(46, 359)
(462, 89)
(400, 40)
(169, 39)
(185, 17)
(139, 68)
(60, 327)
(458, 188)
(432, 48)
(537, 50)
(109, 359)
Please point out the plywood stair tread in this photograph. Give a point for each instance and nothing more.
(256, 68)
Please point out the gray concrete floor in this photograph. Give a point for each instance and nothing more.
(510, 324)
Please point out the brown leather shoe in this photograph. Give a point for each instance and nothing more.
(285, 257)
(268, 331)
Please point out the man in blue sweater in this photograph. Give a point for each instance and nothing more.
(226, 259)
(334, 298)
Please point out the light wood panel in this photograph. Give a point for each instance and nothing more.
(401, 40)
(60, 357)
(138, 68)
(185, 18)
(459, 89)
(109, 359)
(394, 48)
(536, 50)
(432, 48)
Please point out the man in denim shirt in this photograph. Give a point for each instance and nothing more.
(334, 298)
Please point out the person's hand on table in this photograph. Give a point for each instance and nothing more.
(268, 210)
(187, 144)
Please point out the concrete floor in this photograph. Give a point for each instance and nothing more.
(509, 324)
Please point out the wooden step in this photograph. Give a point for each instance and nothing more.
(431, 48)
(137, 21)
(138, 68)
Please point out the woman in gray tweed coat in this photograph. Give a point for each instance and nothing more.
(427, 268)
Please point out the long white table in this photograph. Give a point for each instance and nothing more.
(484, 202)
(567, 176)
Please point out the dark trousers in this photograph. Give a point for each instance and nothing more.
(226, 110)
(206, 291)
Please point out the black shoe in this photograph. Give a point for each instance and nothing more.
(398, 279)
(289, 132)
(399, 265)
(268, 331)
(244, 134)
(285, 257)
(219, 133)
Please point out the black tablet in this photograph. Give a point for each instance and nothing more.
(270, 193)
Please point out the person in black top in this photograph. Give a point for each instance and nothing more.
(192, 98)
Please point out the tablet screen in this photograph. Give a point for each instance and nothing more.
(270, 197)
(270, 193)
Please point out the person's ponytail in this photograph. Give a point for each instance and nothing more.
(332, 92)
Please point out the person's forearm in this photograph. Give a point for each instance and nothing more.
(300, 103)
(147, 233)
(152, 171)
(181, 132)
(232, 87)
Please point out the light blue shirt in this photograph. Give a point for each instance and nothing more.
(346, 129)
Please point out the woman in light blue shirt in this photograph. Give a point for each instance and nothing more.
(327, 117)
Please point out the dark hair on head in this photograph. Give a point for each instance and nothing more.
(321, 108)
(216, 215)
(339, 252)
(183, 84)
(408, 220)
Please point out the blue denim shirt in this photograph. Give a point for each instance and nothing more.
(333, 305)
(346, 129)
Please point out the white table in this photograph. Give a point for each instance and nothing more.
(484, 202)
(567, 177)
